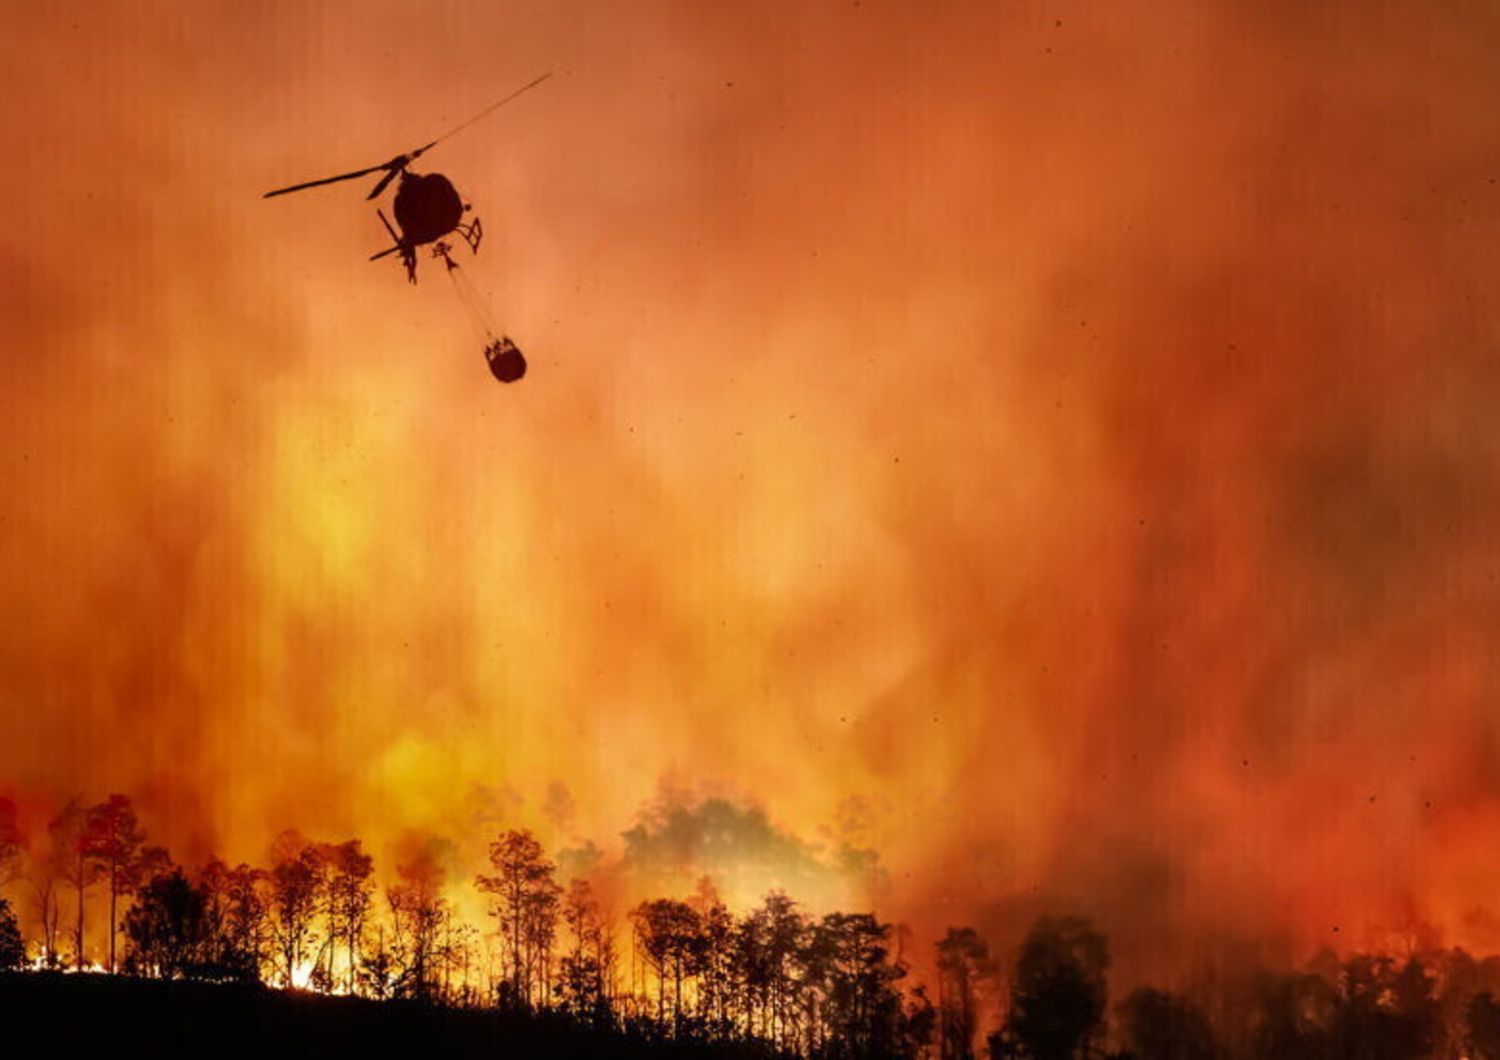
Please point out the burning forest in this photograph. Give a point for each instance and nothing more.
(930, 529)
(686, 972)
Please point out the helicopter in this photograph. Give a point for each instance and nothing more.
(427, 206)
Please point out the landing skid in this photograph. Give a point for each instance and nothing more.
(471, 233)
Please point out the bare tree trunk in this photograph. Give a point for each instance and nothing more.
(333, 941)
(943, 1022)
(78, 932)
(515, 930)
(676, 996)
(447, 958)
(113, 878)
(353, 929)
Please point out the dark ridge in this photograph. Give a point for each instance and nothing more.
(85, 1014)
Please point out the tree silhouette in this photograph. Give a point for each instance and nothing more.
(584, 972)
(68, 832)
(45, 874)
(12, 947)
(771, 941)
(539, 935)
(12, 843)
(524, 905)
(918, 1024)
(1295, 1016)
(348, 870)
(1157, 1025)
(420, 915)
(964, 963)
(666, 931)
(1417, 1009)
(771, 983)
(237, 916)
(1058, 990)
(295, 880)
(112, 838)
(1386, 1013)
(168, 928)
(715, 960)
(1482, 1030)
(377, 966)
(861, 1014)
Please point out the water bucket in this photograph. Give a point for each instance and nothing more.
(506, 362)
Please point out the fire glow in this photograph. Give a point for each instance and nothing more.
(1050, 449)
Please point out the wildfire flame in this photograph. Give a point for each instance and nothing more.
(1052, 449)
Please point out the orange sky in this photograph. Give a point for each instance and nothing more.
(1051, 444)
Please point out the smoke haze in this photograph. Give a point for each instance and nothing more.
(1049, 445)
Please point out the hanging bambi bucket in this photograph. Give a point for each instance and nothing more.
(502, 355)
(505, 360)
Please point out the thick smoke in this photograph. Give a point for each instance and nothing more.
(1052, 442)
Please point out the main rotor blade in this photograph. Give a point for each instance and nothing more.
(380, 187)
(326, 180)
(398, 163)
(528, 86)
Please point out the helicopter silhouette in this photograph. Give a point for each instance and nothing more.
(427, 205)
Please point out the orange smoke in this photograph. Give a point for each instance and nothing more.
(1051, 447)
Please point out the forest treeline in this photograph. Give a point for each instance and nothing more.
(772, 981)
